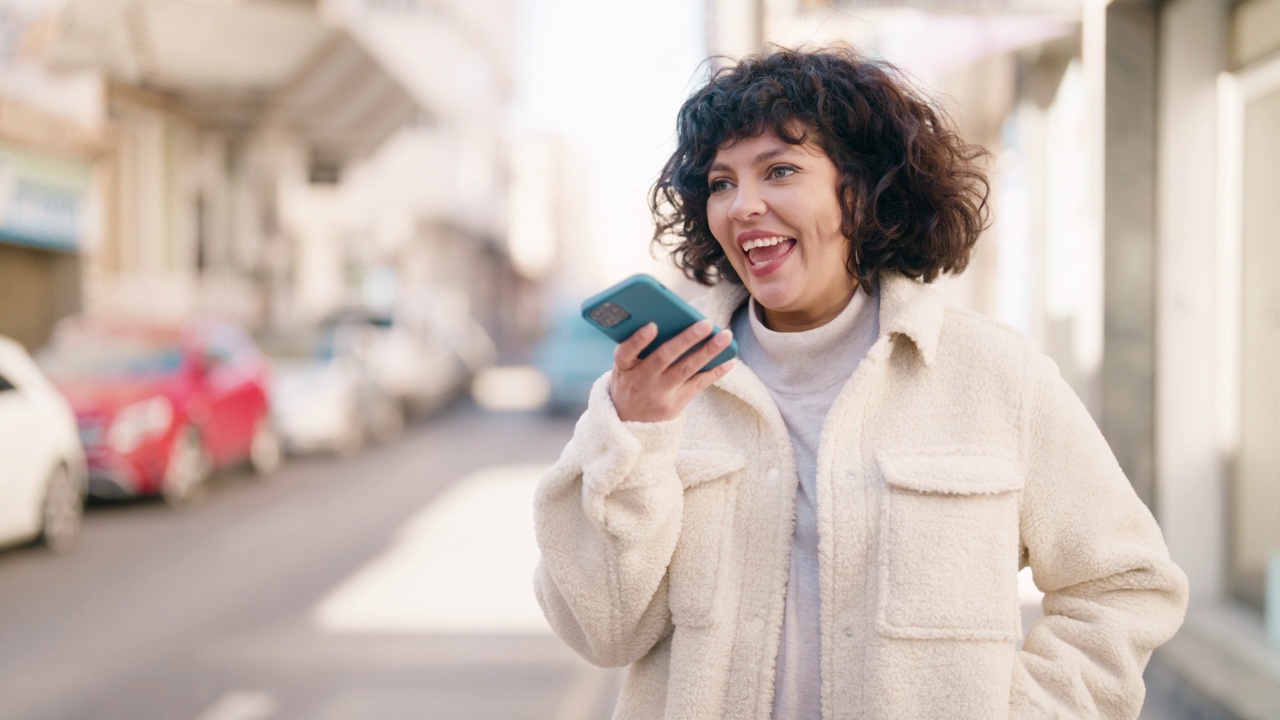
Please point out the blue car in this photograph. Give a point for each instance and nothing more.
(572, 355)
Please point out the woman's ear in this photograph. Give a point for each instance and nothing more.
(851, 207)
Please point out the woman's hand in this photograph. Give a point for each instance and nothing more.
(659, 387)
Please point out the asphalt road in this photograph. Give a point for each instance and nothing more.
(392, 584)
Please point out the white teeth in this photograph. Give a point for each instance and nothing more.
(762, 242)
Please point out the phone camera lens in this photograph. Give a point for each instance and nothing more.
(609, 314)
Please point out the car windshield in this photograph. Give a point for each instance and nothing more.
(320, 344)
(98, 355)
(296, 345)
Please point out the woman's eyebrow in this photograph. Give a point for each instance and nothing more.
(763, 157)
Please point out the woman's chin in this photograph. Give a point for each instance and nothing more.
(772, 299)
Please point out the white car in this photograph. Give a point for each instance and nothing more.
(316, 406)
(409, 362)
(323, 397)
(43, 477)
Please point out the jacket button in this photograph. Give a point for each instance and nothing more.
(848, 632)
(772, 474)
(756, 625)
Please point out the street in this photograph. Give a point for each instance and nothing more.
(392, 584)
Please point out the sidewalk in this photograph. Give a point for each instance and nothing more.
(1218, 667)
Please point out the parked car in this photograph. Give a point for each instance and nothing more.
(324, 395)
(161, 406)
(423, 367)
(42, 478)
(572, 355)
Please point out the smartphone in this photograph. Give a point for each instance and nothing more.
(624, 308)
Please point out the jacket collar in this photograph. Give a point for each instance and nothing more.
(913, 309)
(907, 307)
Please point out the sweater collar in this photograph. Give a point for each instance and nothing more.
(907, 307)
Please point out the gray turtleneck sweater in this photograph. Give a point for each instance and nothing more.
(804, 371)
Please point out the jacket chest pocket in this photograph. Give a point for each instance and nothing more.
(695, 574)
(949, 544)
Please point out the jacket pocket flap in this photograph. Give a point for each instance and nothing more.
(956, 473)
(696, 467)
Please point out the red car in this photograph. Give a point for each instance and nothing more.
(162, 406)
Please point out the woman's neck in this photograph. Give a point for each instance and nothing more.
(807, 319)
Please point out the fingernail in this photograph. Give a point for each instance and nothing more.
(704, 326)
(724, 336)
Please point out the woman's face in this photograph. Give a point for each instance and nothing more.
(773, 208)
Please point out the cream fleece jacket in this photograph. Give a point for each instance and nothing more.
(954, 456)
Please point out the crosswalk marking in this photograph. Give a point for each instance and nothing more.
(463, 564)
(241, 705)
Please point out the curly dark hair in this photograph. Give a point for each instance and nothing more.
(913, 196)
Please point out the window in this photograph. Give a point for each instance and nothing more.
(1255, 492)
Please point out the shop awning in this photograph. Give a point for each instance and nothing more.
(242, 63)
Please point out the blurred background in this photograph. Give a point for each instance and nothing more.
(289, 289)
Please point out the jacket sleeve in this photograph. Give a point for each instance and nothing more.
(607, 517)
(1111, 593)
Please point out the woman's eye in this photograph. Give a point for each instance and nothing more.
(719, 185)
(778, 172)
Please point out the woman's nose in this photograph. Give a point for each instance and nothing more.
(747, 203)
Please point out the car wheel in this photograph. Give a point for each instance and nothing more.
(352, 439)
(187, 470)
(62, 513)
(388, 420)
(266, 450)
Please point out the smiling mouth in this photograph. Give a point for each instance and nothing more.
(762, 251)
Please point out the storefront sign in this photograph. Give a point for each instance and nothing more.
(42, 199)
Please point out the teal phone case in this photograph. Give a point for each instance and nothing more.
(626, 307)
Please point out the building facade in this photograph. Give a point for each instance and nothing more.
(218, 114)
(51, 133)
(275, 161)
(1217, 393)
(422, 222)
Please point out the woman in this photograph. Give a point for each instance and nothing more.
(834, 528)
